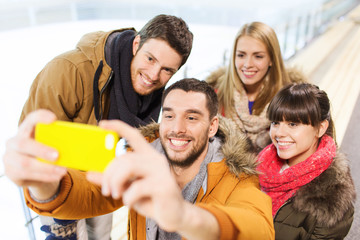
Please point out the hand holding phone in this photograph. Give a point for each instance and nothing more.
(80, 146)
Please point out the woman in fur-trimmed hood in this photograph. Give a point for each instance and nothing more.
(303, 172)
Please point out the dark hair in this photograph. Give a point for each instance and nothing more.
(302, 103)
(171, 29)
(195, 85)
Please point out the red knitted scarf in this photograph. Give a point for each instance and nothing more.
(282, 186)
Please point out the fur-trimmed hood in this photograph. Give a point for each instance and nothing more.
(329, 196)
(235, 146)
(214, 76)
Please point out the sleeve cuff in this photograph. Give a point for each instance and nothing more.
(47, 207)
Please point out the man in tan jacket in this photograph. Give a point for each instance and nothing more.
(119, 74)
(205, 188)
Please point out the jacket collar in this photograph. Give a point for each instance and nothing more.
(92, 45)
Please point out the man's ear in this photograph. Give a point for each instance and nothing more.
(214, 126)
(323, 127)
(136, 44)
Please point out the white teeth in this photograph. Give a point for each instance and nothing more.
(284, 143)
(249, 73)
(146, 81)
(178, 142)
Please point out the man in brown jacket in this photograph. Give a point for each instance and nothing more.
(119, 74)
(205, 188)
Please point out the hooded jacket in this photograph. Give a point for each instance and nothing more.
(70, 96)
(321, 209)
(233, 193)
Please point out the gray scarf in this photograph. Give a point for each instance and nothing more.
(189, 192)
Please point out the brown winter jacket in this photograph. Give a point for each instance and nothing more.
(233, 194)
(321, 209)
(65, 85)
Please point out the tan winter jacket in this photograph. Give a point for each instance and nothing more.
(233, 194)
(65, 85)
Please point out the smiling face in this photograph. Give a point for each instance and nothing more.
(186, 127)
(295, 142)
(153, 65)
(252, 61)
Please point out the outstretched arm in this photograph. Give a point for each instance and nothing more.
(144, 181)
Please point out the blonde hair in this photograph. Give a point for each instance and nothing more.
(275, 78)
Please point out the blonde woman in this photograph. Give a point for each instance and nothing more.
(256, 72)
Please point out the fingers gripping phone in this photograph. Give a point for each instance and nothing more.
(80, 146)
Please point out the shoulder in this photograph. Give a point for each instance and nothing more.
(236, 148)
(150, 131)
(98, 37)
(296, 75)
(329, 196)
(226, 187)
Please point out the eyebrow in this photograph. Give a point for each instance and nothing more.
(169, 109)
(263, 52)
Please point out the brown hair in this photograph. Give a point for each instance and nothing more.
(302, 103)
(195, 85)
(171, 29)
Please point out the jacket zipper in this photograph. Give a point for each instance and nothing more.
(288, 201)
(101, 94)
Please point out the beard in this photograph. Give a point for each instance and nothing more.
(191, 156)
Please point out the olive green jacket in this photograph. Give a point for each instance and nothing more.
(321, 209)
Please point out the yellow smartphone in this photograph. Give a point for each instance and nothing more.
(80, 146)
